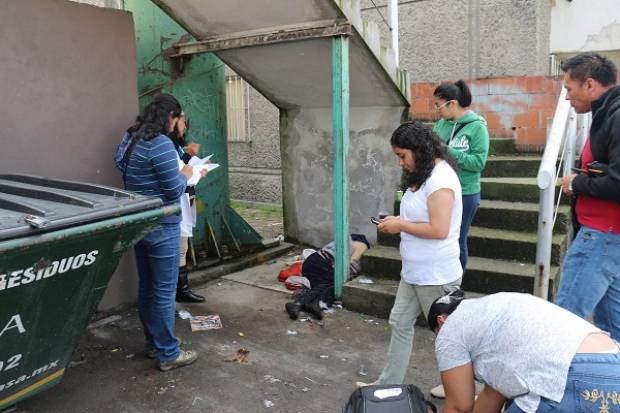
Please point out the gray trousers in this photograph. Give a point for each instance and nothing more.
(410, 301)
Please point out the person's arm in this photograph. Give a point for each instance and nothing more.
(458, 383)
(164, 159)
(489, 401)
(608, 186)
(440, 204)
(475, 158)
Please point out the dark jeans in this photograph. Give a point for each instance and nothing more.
(470, 207)
(590, 281)
(157, 258)
(320, 273)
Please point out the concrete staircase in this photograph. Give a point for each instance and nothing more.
(502, 239)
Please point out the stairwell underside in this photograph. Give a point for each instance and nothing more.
(283, 49)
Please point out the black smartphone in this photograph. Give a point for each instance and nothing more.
(579, 170)
(375, 220)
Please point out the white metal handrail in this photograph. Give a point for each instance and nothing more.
(566, 139)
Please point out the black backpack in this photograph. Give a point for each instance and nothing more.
(387, 398)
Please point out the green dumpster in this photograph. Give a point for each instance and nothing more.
(60, 242)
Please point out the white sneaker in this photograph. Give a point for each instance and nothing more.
(185, 358)
(438, 392)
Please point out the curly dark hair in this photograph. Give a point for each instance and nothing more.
(425, 145)
(153, 121)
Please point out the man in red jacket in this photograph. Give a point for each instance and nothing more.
(590, 281)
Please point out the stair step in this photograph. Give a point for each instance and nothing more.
(384, 262)
(512, 166)
(374, 299)
(513, 216)
(501, 146)
(522, 190)
(516, 216)
(484, 276)
(488, 276)
(514, 190)
(511, 245)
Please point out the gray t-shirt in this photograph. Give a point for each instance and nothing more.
(518, 344)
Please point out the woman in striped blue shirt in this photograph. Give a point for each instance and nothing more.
(150, 166)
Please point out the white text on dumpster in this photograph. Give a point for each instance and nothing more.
(25, 276)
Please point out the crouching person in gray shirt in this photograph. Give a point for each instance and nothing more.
(530, 354)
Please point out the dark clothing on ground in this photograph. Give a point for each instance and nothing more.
(318, 268)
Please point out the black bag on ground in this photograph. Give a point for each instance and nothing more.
(387, 398)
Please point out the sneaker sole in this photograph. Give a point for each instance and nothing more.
(168, 367)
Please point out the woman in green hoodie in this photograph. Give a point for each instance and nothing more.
(467, 138)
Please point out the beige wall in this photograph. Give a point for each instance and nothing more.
(68, 81)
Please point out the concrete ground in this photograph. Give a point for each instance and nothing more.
(293, 366)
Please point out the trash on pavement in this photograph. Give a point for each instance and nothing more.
(291, 332)
(184, 314)
(268, 403)
(205, 322)
(104, 321)
(271, 380)
(364, 280)
(240, 356)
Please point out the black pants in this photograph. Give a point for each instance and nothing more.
(320, 272)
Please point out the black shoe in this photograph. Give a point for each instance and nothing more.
(293, 308)
(314, 309)
(184, 294)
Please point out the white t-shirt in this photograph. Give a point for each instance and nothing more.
(431, 261)
(520, 345)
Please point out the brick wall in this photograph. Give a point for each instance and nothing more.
(518, 107)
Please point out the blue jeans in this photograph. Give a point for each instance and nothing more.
(471, 203)
(590, 282)
(593, 385)
(157, 258)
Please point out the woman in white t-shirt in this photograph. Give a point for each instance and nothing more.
(429, 224)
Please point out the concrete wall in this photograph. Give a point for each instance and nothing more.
(68, 83)
(373, 171)
(255, 173)
(517, 107)
(585, 26)
(469, 39)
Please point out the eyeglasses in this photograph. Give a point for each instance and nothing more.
(442, 105)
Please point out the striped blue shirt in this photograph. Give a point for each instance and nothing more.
(153, 170)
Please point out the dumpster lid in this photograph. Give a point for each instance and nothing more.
(32, 204)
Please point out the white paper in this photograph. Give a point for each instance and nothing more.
(197, 169)
(385, 393)
(198, 165)
(194, 160)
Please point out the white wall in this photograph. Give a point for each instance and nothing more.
(585, 26)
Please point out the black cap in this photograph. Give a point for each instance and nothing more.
(444, 305)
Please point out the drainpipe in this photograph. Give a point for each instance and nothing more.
(393, 19)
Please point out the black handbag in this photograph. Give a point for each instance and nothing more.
(387, 398)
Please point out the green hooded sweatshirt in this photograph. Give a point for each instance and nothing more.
(468, 143)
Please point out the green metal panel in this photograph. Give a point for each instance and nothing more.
(340, 119)
(198, 82)
(50, 286)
